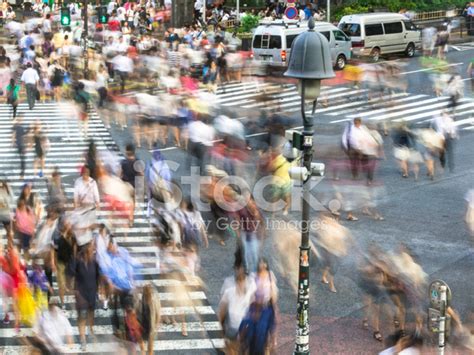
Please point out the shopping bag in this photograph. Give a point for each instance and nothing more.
(26, 306)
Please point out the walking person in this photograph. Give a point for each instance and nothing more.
(333, 241)
(150, 310)
(250, 232)
(86, 196)
(13, 91)
(82, 98)
(264, 313)
(18, 140)
(25, 226)
(6, 204)
(444, 125)
(56, 75)
(30, 78)
(237, 295)
(41, 144)
(63, 254)
(85, 271)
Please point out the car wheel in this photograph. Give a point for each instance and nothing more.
(410, 51)
(375, 54)
(341, 62)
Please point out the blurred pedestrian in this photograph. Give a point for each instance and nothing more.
(41, 146)
(6, 205)
(85, 271)
(236, 298)
(25, 226)
(30, 78)
(445, 126)
(82, 98)
(53, 330)
(150, 311)
(19, 141)
(63, 254)
(333, 241)
(13, 93)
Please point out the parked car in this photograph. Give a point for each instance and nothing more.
(376, 34)
(272, 42)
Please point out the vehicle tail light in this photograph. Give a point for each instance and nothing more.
(283, 55)
(251, 55)
(358, 44)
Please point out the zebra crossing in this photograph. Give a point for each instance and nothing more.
(67, 148)
(345, 103)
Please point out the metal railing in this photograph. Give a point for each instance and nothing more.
(436, 15)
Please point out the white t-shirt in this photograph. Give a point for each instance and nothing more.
(30, 76)
(199, 132)
(238, 303)
(54, 326)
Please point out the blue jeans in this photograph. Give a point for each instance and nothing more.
(251, 246)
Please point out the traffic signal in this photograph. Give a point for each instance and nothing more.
(102, 14)
(65, 16)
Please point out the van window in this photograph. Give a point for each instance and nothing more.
(340, 36)
(410, 26)
(289, 40)
(326, 34)
(350, 29)
(393, 27)
(374, 30)
(267, 42)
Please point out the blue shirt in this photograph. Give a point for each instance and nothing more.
(470, 11)
(307, 12)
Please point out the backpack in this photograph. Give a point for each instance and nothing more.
(191, 234)
(58, 75)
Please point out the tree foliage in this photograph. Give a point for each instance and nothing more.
(248, 22)
(362, 6)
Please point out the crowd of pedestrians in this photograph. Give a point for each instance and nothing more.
(180, 71)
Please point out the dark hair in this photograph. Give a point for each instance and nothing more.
(130, 148)
(28, 65)
(12, 83)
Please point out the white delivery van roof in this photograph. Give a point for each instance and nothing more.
(280, 27)
(373, 16)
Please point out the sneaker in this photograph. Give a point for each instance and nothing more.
(105, 305)
(6, 320)
(83, 346)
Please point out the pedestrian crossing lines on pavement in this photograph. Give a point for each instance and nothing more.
(66, 153)
(462, 46)
(345, 103)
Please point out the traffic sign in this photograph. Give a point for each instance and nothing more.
(291, 13)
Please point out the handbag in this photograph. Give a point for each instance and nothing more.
(38, 95)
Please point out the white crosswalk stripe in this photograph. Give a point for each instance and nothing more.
(59, 123)
(346, 103)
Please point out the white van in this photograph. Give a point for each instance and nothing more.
(272, 41)
(376, 34)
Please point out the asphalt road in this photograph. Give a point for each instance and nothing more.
(426, 215)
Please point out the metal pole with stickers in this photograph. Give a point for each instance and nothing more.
(439, 320)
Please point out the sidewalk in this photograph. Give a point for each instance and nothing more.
(341, 336)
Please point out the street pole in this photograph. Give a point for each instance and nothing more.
(442, 320)
(204, 14)
(237, 10)
(328, 10)
(84, 38)
(302, 331)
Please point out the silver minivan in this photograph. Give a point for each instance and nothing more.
(272, 42)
